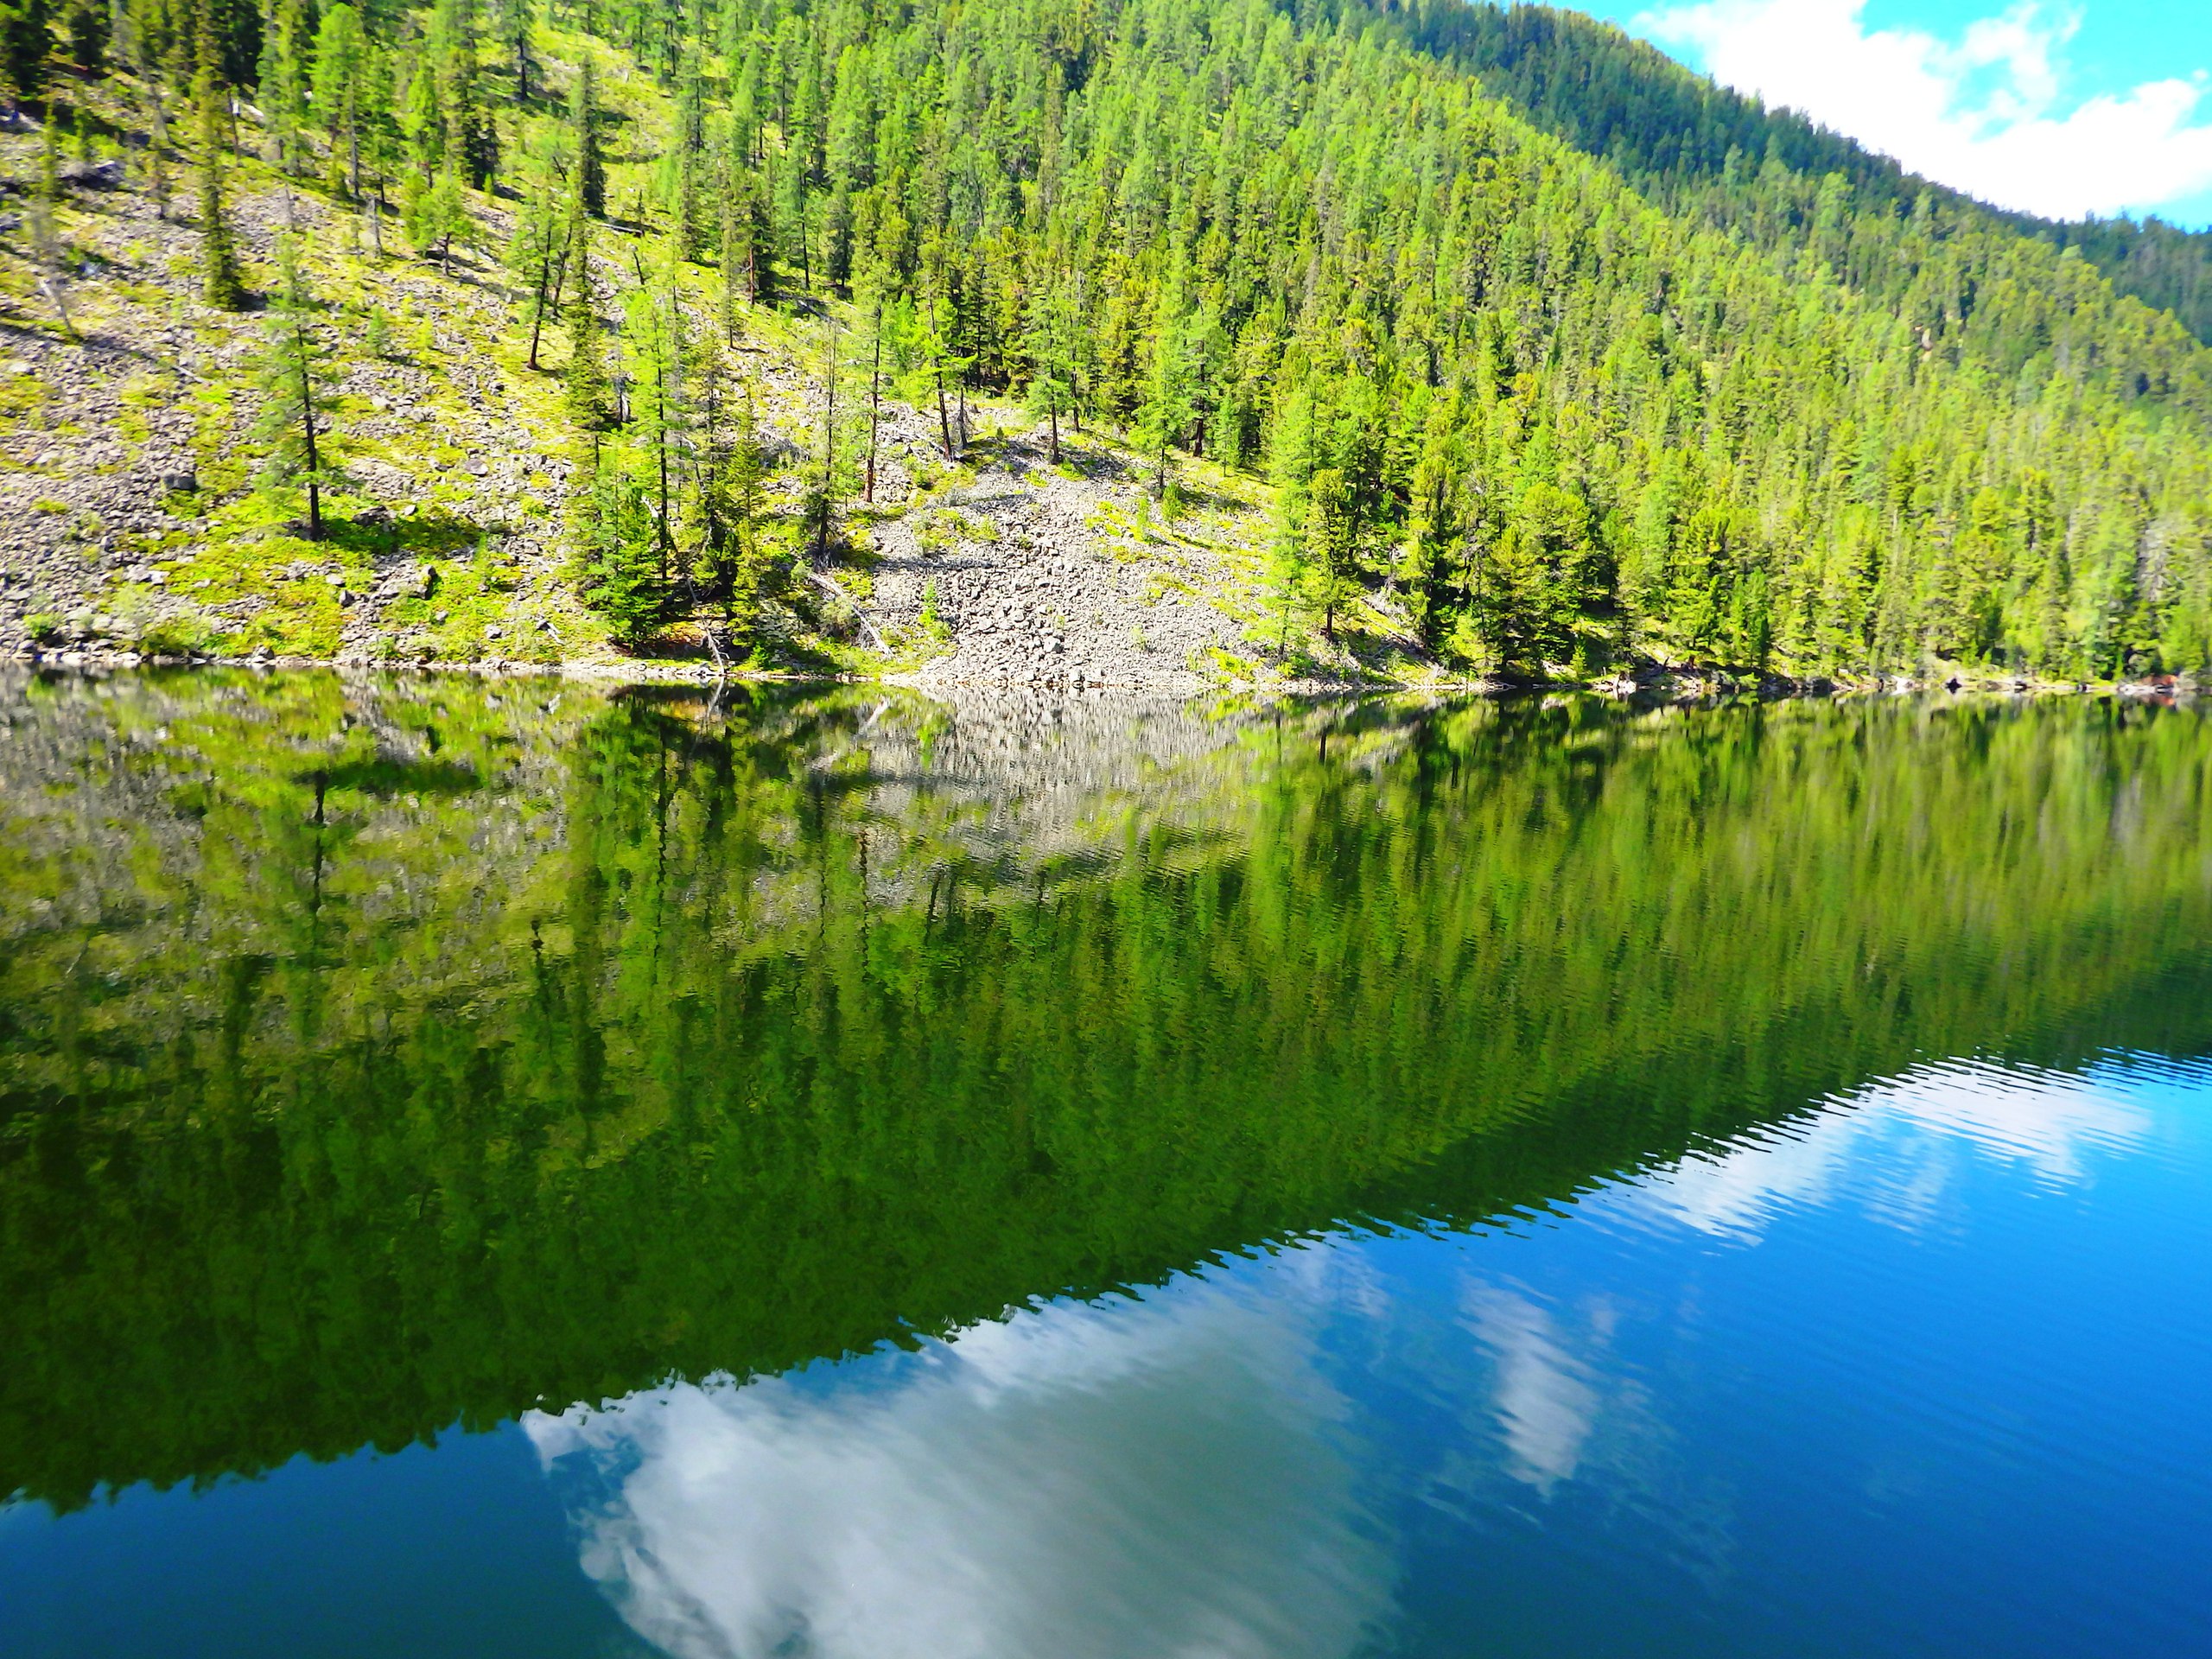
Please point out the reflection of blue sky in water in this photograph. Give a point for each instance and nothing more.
(1915, 1371)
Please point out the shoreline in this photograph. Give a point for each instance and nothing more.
(1663, 685)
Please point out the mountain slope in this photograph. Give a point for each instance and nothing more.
(1479, 393)
(1677, 135)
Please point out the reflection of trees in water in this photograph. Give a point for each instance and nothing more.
(375, 1059)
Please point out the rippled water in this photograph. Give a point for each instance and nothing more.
(518, 1170)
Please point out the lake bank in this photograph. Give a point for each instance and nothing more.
(1654, 685)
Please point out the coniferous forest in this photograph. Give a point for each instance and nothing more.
(1571, 357)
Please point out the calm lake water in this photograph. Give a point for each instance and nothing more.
(521, 1170)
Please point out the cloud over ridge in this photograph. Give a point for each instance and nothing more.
(1985, 112)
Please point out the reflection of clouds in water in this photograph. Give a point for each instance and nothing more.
(1545, 1404)
(1551, 1417)
(1174, 1477)
(1160, 1477)
(1899, 1148)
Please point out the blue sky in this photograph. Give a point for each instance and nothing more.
(2098, 106)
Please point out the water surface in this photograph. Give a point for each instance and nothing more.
(514, 1169)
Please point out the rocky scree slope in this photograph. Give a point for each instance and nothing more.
(130, 527)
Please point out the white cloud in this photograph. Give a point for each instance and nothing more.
(1159, 1476)
(1984, 113)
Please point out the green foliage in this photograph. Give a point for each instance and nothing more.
(187, 635)
(220, 283)
(343, 80)
(619, 562)
(591, 164)
(1692, 144)
(283, 88)
(1571, 421)
(25, 46)
(297, 385)
(1331, 538)
(584, 383)
(1608, 361)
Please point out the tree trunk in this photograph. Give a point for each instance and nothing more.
(874, 403)
(828, 443)
(546, 267)
(1053, 413)
(538, 312)
(307, 421)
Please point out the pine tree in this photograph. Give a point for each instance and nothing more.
(1167, 411)
(434, 216)
(821, 501)
(86, 28)
(1050, 328)
(762, 286)
(690, 231)
(298, 394)
(584, 384)
(472, 141)
(283, 88)
(656, 334)
(733, 505)
(422, 112)
(516, 21)
(736, 252)
(875, 398)
(1332, 544)
(534, 251)
(47, 251)
(617, 553)
(342, 69)
(25, 43)
(1295, 460)
(220, 283)
(591, 163)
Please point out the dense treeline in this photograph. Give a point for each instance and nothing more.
(1765, 422)
(1693, 144)
(379, 1059)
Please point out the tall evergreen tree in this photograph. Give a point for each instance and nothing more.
(472, 141)
(516, 19)
(283, 84)
(584, 381)
(220, 284)
(591, 163)
(342, 71)
(298, 395)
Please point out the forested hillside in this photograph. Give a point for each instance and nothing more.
(1697, 146)
(1559, 412)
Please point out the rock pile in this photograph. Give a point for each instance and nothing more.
(1035, 587)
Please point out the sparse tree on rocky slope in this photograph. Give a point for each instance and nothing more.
(298, 394)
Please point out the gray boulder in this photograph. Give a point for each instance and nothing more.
(92, 175)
